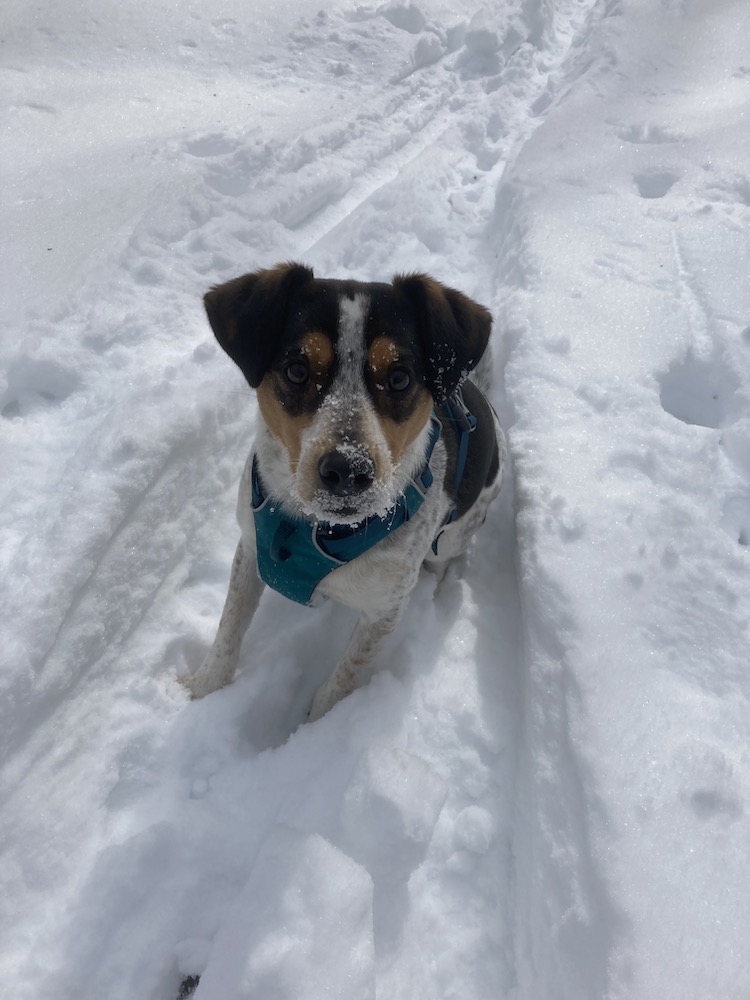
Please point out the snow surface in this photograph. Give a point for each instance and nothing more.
(543, 791)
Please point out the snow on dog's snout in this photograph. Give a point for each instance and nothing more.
(345, 471)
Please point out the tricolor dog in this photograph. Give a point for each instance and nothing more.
(373, 456)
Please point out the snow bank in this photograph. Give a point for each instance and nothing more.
(626, 217)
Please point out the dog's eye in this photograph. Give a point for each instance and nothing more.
(297, 373)
(399, 379)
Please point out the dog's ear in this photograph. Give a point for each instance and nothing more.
(248, 315)
(453, 329)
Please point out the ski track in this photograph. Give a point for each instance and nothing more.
(162, 798)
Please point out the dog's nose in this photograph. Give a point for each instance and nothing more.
(343, 475)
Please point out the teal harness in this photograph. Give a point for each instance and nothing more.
(294, 554)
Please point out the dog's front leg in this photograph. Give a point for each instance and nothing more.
(369, 635)
(245, 588)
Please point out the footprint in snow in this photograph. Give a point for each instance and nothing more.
(711, 789)
(655, 183)
(698, 390)
(408, 17)
(35, 385)
(213, 144)
(701, 392)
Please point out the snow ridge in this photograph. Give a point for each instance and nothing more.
(627, 377)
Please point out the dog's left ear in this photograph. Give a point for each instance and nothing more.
(248, 315)
(454, 330)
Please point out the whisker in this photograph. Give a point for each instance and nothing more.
(250, 394)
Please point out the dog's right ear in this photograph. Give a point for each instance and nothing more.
(248, 315)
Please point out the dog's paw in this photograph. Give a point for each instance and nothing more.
(209, 677)
(193, 686)
(315, 712)
(322, 703)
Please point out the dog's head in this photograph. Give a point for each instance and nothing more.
(347, 374)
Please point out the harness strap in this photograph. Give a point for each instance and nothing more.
(464, 423)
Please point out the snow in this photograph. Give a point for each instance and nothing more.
(303, 895)
(540, 790)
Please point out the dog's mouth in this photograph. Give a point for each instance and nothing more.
(377, 501)
(344, 485)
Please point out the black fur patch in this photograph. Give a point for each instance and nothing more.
(260, 319)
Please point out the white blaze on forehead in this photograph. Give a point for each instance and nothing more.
(351, 345)
(347, 422)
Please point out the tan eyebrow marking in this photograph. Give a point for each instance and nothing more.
(318, 350)
(382, 354)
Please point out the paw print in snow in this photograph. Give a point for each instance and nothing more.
(34, 385)
(698, 391)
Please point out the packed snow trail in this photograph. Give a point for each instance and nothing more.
(539, 794)
(162, 811)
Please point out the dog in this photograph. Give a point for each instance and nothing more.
(374, 455)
